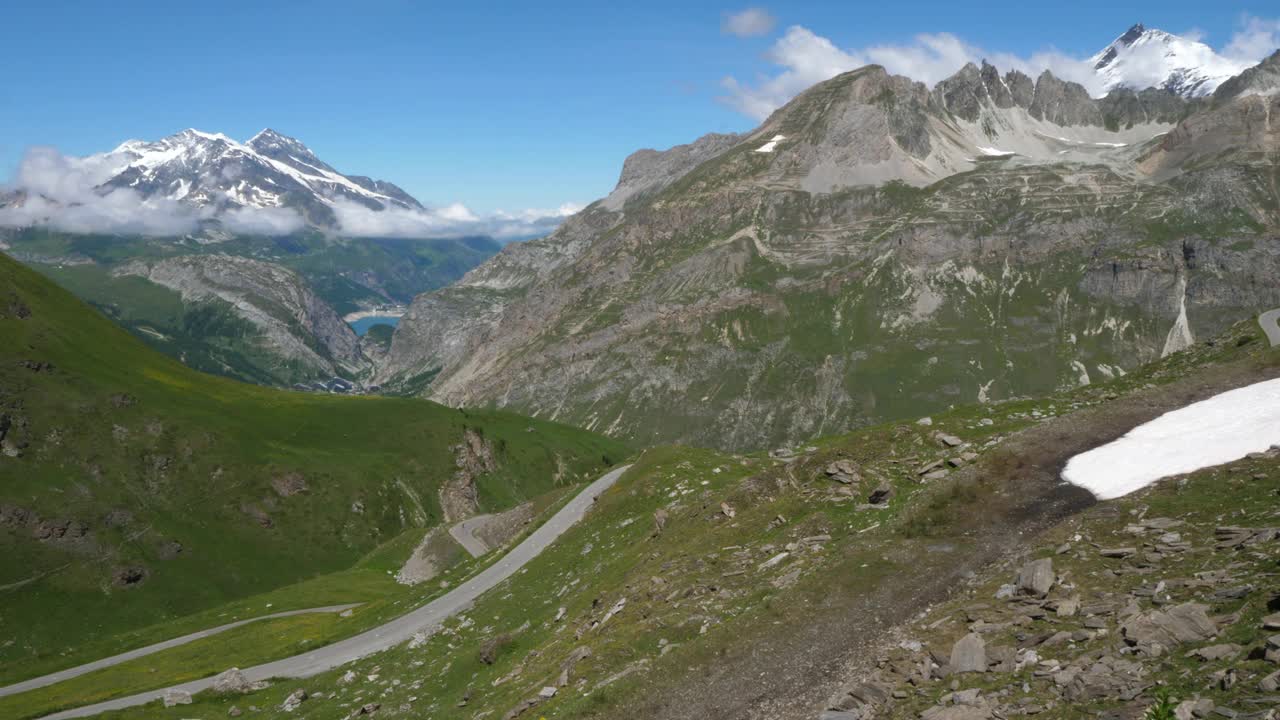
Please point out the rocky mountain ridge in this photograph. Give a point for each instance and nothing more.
(874, 249)
(294, 324)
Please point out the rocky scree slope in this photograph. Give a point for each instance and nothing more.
(874, 250)
(835, 577)
(135, 490)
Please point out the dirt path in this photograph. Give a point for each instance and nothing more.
(69, 673)
(789, 670)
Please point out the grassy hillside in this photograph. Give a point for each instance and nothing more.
(134, 489)
(713, 585)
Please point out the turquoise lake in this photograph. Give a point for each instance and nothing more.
(362, 325)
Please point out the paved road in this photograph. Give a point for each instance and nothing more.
(465, 533)
(425, 619)
(69, 673)
(1268, 322)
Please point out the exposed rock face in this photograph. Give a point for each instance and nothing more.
(785, 288)
(645, 171)
(295, 323)
(473, 458)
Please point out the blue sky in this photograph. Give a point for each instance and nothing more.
(498, 106)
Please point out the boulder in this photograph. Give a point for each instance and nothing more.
(881, 494)
(1036, 577)
(1216, 652)
(969, 654)
(1270, 683)
(1068, 607)
(1273, 649)
(1120, 552)
(296, 698)
(231, 681)
(957, 712)
(1156, 631)
(843, 471)
(176, 697)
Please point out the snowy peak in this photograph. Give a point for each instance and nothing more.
(271, 170)
(1143, 58)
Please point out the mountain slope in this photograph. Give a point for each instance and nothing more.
(797, 283)
(293, 322)
(133, 489)
(1142, 58)
(837, 577)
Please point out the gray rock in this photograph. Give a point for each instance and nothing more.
(881, 494)
(957, 712)
(176, 697)
(969, 654)
(295, 698)
(1122, 552)
(1270, 683)
(1157, 631)
(1068, 607)
(1036, 577)
(1215, 652)
(231, 681)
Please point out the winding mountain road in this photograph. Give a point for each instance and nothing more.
(425, 619)
(465, 533)
(1268, 321)
(79, 670)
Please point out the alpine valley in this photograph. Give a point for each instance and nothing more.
(234, 295)
(955, 400)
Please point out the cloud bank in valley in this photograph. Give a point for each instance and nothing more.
(804, 58)
(67, 194)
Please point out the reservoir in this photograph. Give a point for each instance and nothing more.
(362, 325)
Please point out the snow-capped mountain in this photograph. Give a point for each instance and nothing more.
(1142, 58)
(269, 171)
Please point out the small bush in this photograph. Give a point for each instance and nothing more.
(1162, 708)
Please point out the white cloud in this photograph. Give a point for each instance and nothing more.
(66, 194)
(453, 220)
(805, 58)
(751, 22)
(62, 192)
(1254, 41)
(262, 221)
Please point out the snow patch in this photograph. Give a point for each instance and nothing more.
(1224, 428)
(995, 152)
(773, 142)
